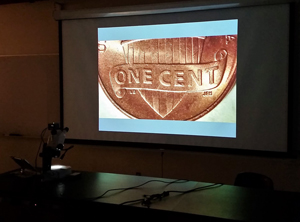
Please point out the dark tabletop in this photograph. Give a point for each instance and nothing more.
(84, 191)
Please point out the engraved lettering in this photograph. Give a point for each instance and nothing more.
(211, 74)
(134, 76)
(163, 78)
(147, 76)
(132, 92)
(197, 78)
(179, 80)
(189, 78)
(207, 94)
(120, 77)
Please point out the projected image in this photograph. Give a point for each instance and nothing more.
(167, 72)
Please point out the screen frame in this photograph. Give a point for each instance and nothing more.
(167, 8)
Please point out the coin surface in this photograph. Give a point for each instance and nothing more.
(169, 78)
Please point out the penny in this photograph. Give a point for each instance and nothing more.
(171, 78)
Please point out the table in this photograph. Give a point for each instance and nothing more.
(74, 198)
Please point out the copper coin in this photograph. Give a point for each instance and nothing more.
(171, 78)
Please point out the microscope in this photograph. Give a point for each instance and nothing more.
(52, 149)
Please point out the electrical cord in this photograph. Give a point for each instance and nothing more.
(132, 202)
(140, 185)
(41, 143)
(215, 185)
(65, 151)
(150, 199)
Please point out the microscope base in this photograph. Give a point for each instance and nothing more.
(57, 172)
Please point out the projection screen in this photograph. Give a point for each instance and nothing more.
(201, 78)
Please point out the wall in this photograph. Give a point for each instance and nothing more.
(29, 68)
(29, 99)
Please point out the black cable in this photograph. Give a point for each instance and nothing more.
(149, 199)
(41, 143)
(197, 188)
(134, 187)
(132, 202)
(43, 134)
(66, 150)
